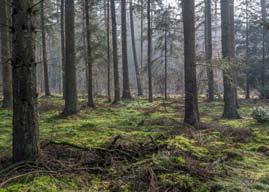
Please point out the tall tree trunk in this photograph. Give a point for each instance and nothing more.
(208, 50)
(247, 52)
(59, 71)
(142, 37)
(137, 72)
(115, 53)
(44, 49)
(150, 96)
(63, 45)
(108, 50)
(70, 67)
(165, 65)
(265, 50)
(84, 40)
(59, 59)
(247, 86)
(191, 93)
(25, 123)
(126, 94)
(228, 52)
(263, 68)
(5, 55)
(89, 58)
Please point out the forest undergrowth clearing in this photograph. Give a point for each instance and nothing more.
(140, 146)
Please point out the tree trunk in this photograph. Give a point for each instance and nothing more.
(165, 65)
(84, 44)
(247, 87)
(150, 96)
(63, 46)
(247, 52)
(126, 94)
(70, 67)
(263, 68)
(44, 49)
(191, 95)
(142, 38)
(89, 58)
(228, 52)
(25, 123)
(115, 53)
(208, 50)
(137, 72)
(5, 55)
(59, 70)
(265, 50)
(108, 50)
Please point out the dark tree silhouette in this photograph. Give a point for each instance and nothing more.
(44, 49)
(208, 50)
(150, 96)
(191, 95)
(70, 67)
(5, 55)
(63, 45)
(108, 49)
(126, 94)
(89, 55)
(228, 52)
(25, 123)
(115, 53)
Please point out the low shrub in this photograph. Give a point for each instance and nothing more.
(260, 114)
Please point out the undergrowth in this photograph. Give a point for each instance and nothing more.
(140, 146)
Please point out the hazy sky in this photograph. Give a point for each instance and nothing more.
(173, 2)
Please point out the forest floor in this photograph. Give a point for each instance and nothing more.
(140, 146)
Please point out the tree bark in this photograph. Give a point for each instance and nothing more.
(137, 72)
(115, 53)
(265, 50)
(191, 94)
(228, 52)
(70, 67)
(165, 64)
(208, 50)
(63, 45)
(142, 37)
(89, 56)
(150, 96)
(84, 43)
(247, 52)
(25, 123)
(126, 94)
(5, 55)
(108, 50)
(44, 50)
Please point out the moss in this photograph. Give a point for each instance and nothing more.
(162, 161)
(181, 160)
(260, 187)
(216, 187)
(97, 184)
(264, 179)
(263, 149)
(238, 123)
(233, 154)
(204, 188)
(246, 168)
(177, 181)
(186, 145)
(42, 183)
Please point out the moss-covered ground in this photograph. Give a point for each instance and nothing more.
(141, 146)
